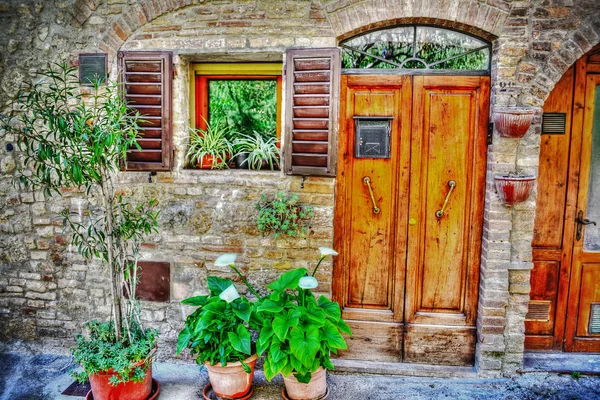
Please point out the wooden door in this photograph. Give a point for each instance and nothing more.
(583, 310)
(407, 278)
(565, 280)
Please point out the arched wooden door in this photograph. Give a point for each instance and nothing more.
(564, 310)
(409, 216)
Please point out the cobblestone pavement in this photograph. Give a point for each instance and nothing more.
(45, 376)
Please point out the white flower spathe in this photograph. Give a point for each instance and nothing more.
(225, 260)
(308, 282)
(229, 294)
(326, 251)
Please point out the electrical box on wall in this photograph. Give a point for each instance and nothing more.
(372, 137)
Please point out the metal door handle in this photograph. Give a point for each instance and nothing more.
(367, 181)
(580, 223)
(440, 213)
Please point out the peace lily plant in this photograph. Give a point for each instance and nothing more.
(297, 332)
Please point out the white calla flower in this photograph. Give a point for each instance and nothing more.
(326, 251)
(225, 260)
(229, 294)
(308, 282)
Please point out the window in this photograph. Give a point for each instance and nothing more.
(241, 102)
(427, 48)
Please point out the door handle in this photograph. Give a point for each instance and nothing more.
(440, 213)
(367, 182)
(580, 223)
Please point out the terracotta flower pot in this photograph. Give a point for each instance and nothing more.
(103, 390)
(206, 162)
(513, 122)
(231, 381)
(313, 390)
(514, 189)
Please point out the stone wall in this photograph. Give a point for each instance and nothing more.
(46, 290)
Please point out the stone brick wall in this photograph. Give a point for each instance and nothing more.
(46, 290)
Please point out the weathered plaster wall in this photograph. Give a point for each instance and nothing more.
(45, 290)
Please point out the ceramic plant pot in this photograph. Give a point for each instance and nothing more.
(103, 390)
(241, 161)
(231, 381)
(206, 162)
(313, 390)
(513, 122)
(514, 189)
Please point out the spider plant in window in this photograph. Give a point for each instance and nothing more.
(209, 148)
(262, 152)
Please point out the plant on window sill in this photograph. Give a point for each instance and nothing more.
(282, 215)
(256, 152)
(209, 148)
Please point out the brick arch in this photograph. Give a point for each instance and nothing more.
(581, 42)
(134, 17)
(353, 17)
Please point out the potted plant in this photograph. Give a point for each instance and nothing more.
(514, 188)
(256, 152)
(209, 148)
(513, 122)
(217, 335)
(70, 140)
(298, 332)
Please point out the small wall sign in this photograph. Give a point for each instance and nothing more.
(92, 67)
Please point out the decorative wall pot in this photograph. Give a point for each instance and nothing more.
(513, 122)
(514, 189)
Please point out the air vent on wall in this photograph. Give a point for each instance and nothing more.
(594, 327)
(554, 123)
(539, 310)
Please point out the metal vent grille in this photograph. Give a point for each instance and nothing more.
(554, 123)
(594, 318)
(539, 310)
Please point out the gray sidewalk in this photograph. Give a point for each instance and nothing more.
(27, 377)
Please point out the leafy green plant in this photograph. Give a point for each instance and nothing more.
(299, 332)
(259, 150)
(217, 331)
(211, 142)
(66, 139)
(282, 215)
(100, 351)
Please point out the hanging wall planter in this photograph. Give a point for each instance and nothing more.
(514, 189)
(513, 122)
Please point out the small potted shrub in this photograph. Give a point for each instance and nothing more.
(256, 152)
(282, 215)
(209, 148)
(217, 334)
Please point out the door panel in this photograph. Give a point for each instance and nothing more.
(584, 294)
(438, 134)
(369, 272)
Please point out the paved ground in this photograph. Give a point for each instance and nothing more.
(27, 377)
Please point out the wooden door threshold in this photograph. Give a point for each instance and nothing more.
(403, 369)
(561, 363)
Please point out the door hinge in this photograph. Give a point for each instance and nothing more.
(490, 134)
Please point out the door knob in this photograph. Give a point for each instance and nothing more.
(580, 224)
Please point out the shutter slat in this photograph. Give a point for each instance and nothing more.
(147, 78)
(312, 85)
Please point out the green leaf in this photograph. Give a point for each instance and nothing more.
(242, 309)
(283, 323)
(184, 338)
(270, 306)
(246, 367)
(289, 280)
(327, 364)
(331, 308)
(342, 326)
(315, 315)
(333, 337)
(241, 340)
(216, 285)
(303, 378)
(195, 301)
(304, 345)
(296, 364)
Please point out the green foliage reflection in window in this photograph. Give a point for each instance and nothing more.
(244, 105)
(416, 47)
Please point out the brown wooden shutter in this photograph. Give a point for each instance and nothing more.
(148, 79)
(312, 96)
